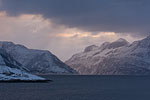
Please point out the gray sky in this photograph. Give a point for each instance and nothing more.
(66, 27)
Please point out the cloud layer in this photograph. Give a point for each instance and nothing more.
(129, 16)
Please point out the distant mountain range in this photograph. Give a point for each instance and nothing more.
(36, 61)
(116, 58)
(111, 58)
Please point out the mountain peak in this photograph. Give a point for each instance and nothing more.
(118, 43)
(90, 48)
(121, 40)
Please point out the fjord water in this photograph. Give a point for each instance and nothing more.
(76, 87)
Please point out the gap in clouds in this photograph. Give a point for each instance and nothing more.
(34, 31)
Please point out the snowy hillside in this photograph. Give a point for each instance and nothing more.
(12, 70)
(37, 61)
(116, 58)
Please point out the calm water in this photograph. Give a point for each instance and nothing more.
(80, 88)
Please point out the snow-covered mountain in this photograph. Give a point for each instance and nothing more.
(37, 61)
(116, 58)
(12, 70)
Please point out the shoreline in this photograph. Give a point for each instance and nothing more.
(25, 81)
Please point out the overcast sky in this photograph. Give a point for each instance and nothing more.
(66, 27)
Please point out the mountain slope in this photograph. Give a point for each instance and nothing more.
(116, 58)
(37, 61)
(12, 70)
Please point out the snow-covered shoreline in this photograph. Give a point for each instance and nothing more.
(7, 73)
(11, 70)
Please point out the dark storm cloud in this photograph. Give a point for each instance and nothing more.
(124, 16)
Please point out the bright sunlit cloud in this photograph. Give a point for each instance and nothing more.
(85, 34)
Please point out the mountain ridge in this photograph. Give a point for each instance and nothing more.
(36, 61)
(116, 58)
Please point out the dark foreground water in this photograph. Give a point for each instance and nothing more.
(80, 88)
